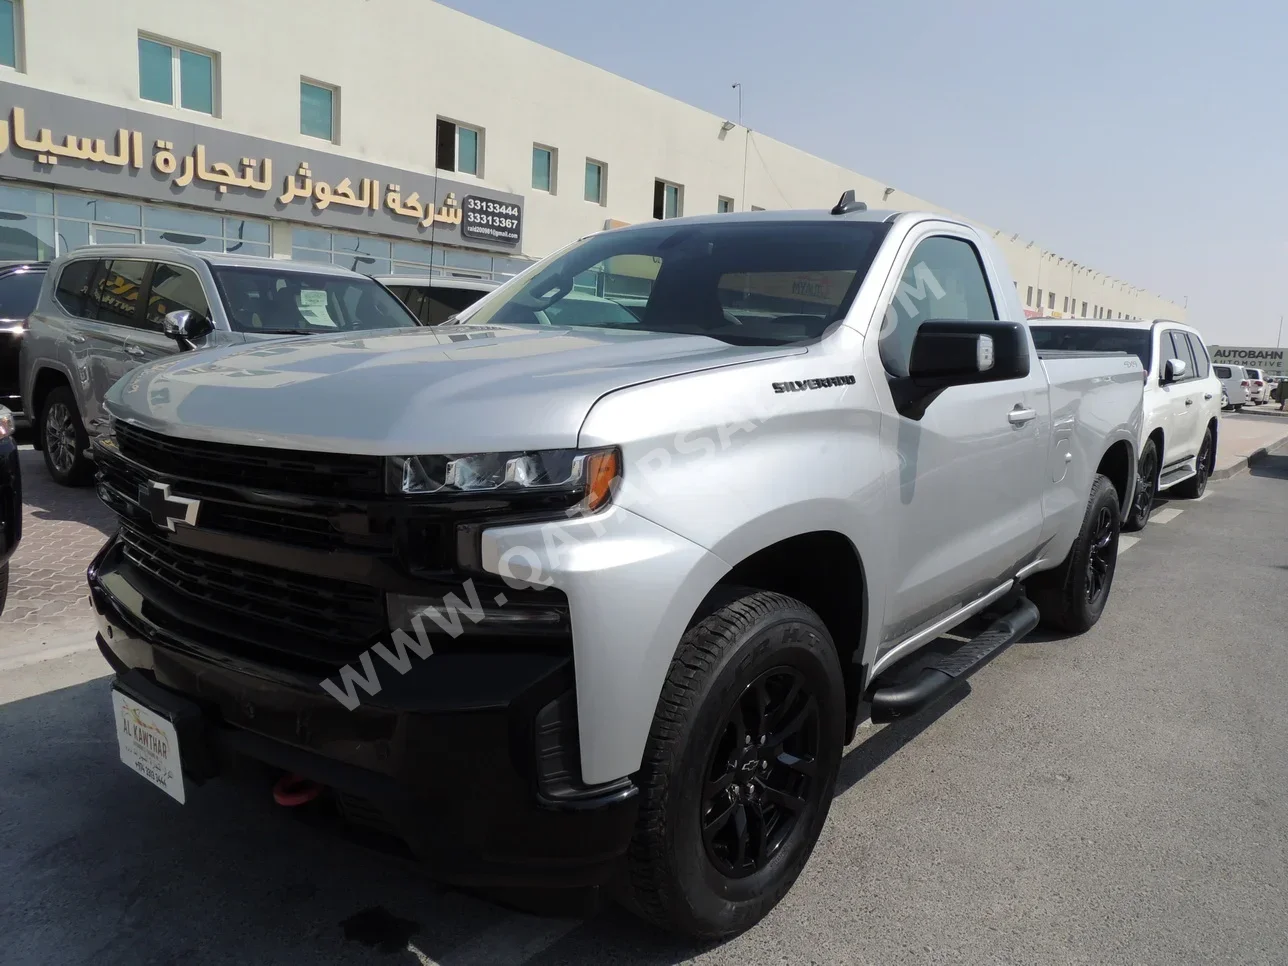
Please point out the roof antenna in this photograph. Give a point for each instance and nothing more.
(848, 204)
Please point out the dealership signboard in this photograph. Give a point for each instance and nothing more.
(1273, 362)
(68, 142)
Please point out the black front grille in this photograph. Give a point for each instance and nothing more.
(288, 471)
(321, 526)
(306, 611)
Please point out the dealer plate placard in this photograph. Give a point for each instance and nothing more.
(149, 744)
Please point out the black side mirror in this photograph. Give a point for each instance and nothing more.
(946, 354)
(186, 327)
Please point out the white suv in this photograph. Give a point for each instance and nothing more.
(1236, 387)
(1182, 403)
(1260, 388)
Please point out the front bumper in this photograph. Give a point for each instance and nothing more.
(455, 758)
(10, 500)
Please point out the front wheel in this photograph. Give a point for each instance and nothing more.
(1196, 485)
(739, 769)
(64, 440)
(1073, 596)
(1146, 489)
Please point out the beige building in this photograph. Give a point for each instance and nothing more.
(332, 130)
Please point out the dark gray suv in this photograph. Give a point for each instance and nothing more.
(104, 310)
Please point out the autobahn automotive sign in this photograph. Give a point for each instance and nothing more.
(1273, 362)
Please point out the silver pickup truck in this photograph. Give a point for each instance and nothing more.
(593, 585)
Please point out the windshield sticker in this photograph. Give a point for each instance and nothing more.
(313, 306)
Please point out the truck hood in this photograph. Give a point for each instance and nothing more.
(450, 389)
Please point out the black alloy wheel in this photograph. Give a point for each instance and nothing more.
(1100, 560)
(1196, 485)
(761, 772)
(1146, 489)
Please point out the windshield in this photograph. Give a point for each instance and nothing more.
(274, 300)
(1087, 338)
(18, 294)
(748, 283)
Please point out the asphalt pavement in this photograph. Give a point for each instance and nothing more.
(1121, 797)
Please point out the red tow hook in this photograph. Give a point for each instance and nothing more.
(293, 790)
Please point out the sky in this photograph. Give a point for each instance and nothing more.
(1146, 139)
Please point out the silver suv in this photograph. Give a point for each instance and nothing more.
(104, 310)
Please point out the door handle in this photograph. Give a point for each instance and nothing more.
(134, 350)
(1019, 417)
(1190, 402)
(1207, 395)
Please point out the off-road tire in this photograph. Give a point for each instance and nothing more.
(1061, 595)
(672, 879)
(1196, 485)
(1147, 475)
(76, 469)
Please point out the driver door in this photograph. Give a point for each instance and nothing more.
(967, 508)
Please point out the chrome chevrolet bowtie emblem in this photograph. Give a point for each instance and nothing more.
(167, 510)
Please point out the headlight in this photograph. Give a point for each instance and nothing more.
(587, 473)
(6, 422)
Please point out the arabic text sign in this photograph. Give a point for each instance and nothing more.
(131, 153)
(1273, 362)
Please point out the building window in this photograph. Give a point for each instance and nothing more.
(1066, 303)
(170, 74)
(1084, 310)
(44, 223)
(1051, 301)
(319, 110)
(1028, 299)
(724, 205)
(668, 200)
(10, 28)
(543, 168)
(596, 182)
(1039, 299)
(459, 148)
(757, 208)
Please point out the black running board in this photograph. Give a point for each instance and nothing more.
(938, 677)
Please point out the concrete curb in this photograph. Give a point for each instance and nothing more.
(1242, 464)
(1274, 412)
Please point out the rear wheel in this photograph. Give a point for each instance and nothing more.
(64, 440)
(739, 769)
(1146, 489)
(1196, 485)
(1073, 596)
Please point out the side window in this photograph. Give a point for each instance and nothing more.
(18, 294)
(1222, 372)
(119, 291)
(1201, 362)
(944, 280)
(174, 287)
(1176, 347)
(415, 297)
(446, 302)
(74, 285)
